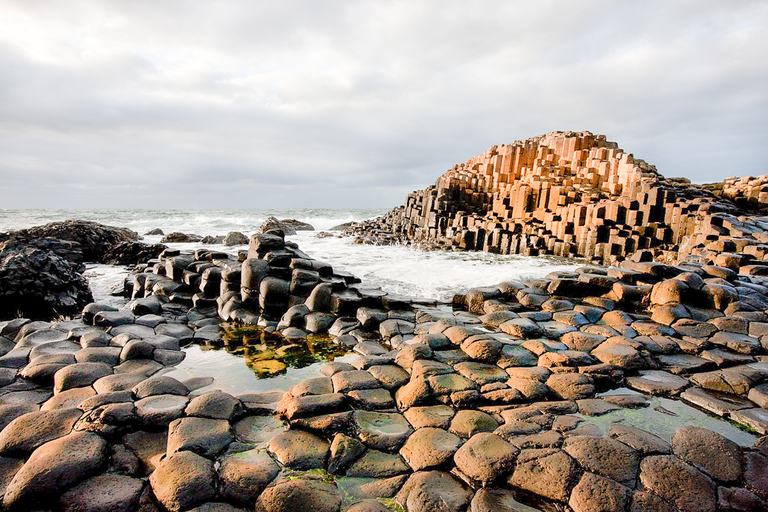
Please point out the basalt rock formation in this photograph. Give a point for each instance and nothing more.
(567, 194)
(41, 268)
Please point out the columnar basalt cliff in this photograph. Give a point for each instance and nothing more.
(567, 194)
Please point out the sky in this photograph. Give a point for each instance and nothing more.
(353, 104)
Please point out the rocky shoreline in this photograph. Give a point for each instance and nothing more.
(488, 404)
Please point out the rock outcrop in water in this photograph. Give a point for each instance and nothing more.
(568, 194)
(41, 268)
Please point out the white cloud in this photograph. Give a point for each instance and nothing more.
(138, 104)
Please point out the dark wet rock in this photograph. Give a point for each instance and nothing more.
(183, 480)
(204, 436)
(344, 450)
(299, 491)
(595, 493)
(235, 238)
(131, 253)
(104, 493)
(113, 318)
(298, 449)
(39, 284)
(244, 475)
(433, 491)
(756, 473)
(29, 431)
(739, 499)
(377, 464)
(149, 447)
(546, 472)
(55, 467)
(678, 483)
(604, 456)
(429, 447)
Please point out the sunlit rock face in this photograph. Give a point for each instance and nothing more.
(567, 194)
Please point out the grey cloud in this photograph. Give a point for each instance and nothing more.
(139, 104)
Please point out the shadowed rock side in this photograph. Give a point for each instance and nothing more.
(41, 268)
(489, 406)
(568, 194)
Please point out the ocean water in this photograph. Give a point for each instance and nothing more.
(435, 275)
(395, 269)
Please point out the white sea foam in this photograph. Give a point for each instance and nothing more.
(396, 269)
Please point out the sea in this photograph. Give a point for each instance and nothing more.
(397, 269)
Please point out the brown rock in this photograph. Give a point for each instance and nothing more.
(680, 484)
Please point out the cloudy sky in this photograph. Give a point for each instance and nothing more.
(147, 104)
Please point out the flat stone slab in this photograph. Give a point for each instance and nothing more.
(642, 441)
(756, 418)
(717, 403)
(684, 363)
(244, 475)
(204, 436)
(657, 382)
(438, 416)
(298, 449)
(109, 492)
(377, 464)
(481, 373)
(678, 483)
(356, 379)
(161, 409)
(429, 447)
(486, 458)
(258, 430)
(382, 431)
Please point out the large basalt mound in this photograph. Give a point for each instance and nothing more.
(567, 194)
